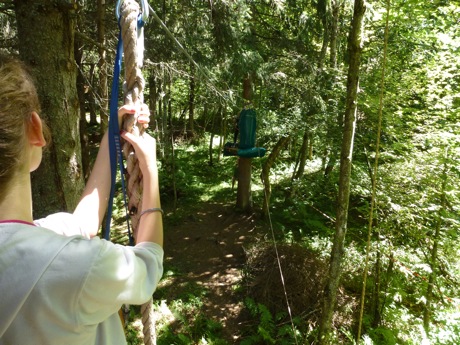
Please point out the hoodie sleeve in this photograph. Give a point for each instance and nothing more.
(62, 223)
(118, 275)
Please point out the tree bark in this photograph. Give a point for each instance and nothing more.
(334, 32)
(91, 97)
(153, 98)
(103, 89)
(434, 250)
(46, 42)
(81, 91)
(281, 143)
(211, 139)
(375, 302)
(335, 265)
(324, 13)
(191, 103)
(304, 153)
(243, 192)
(222, 131)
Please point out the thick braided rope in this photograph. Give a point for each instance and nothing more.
(133, 88)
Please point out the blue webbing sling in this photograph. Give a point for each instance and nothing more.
(115, 141)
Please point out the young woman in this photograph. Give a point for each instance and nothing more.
(59, 284)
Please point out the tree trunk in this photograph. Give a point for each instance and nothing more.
(211, 139)
(375, 302)
(81, 91)
(164, 115)
(173, 158)
(46, 42)
(191, 104)
(384, 286)
(282, 142)
(332, 130)
(334, 32)
(91, 97)
(153, 101)
(303, 154)
(335, 268)
(324, 13)
(222, 131)
(434, 250)
(160, 117)
(103, 89)
(243, 194)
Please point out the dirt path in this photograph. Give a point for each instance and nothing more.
(208, 249)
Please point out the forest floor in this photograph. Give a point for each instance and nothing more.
(207, 249)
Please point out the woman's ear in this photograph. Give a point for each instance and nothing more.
(35, 131)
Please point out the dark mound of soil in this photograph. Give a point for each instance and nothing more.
(301, 282)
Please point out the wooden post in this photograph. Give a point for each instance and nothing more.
(243, 195)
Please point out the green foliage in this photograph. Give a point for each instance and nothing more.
(268, 332)
(184, 324)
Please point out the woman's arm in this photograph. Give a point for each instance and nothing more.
(93, 203)
(151, 223)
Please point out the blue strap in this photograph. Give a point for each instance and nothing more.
(114, 140)
(115, 146)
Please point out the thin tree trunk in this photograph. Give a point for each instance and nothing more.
(91, 96)
(173, 167)
(376, 292)
(222, 131)
(281, 143)
(332, 130)
(81, 91)
(211, 139)
(153, 102)
(103, 89)
(434, 250)
(159, 112)
(335, 268)
(303, 155)
(324, 12)
(46, 33)
(334, 32)
(191, 103)
(164, 115)
(384, 287)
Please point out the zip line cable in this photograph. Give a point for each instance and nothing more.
(279, 266)
(203, 72)
(374, 173)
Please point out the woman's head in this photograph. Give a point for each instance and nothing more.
(18, 101)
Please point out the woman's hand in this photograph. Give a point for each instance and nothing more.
(144, 145)
(140, 110)
(145, 148)
(150, 227)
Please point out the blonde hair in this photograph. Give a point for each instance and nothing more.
(18, 99)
